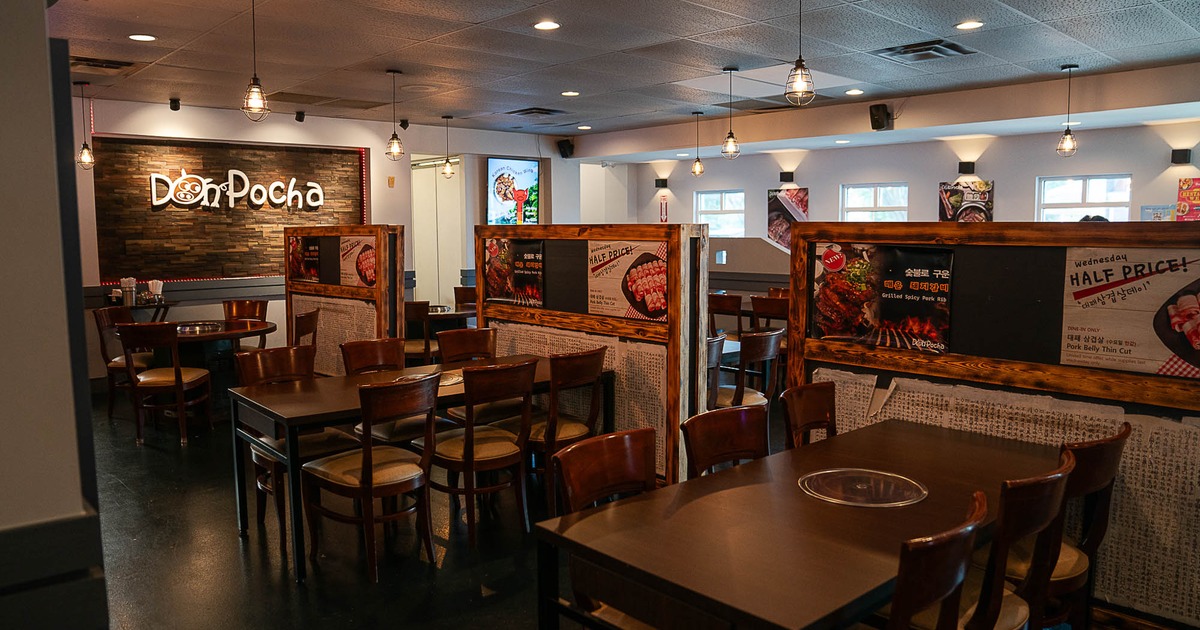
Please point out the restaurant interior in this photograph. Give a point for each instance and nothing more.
(621, 314)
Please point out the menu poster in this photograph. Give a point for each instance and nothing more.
(966, 202)
(1158, 213)
(304, 258)
(357, 260)
(1188, 207)
(785, 207)
(882, 295)
(628, 279)
(512, 195)
(1136, 310)
(513, 271)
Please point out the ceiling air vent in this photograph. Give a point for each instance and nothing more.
(924, 51)
(535, 112)
(99, 67)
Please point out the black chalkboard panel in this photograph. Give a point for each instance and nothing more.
(331, 263)
(1007, 302)
(566, 276)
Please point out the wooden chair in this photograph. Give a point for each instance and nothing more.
(286, 364)
(756, 360)
(304, 324)
(779, 292)
(714, 347)
(247, 309)
(377, 471)
(107, 319)
(478, 448)
(416, 317)
(932, 571)
(373, 355)
(724, 436)
(465, 299)
(466, 344)
(724, 304)
(808, 408)
(174, 382)
(1072, 577)
(768, 313)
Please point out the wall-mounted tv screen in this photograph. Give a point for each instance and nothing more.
(512, 193)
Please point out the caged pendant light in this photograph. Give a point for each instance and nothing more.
(254, 103)
(447, 167)
(1067, 145)
(395, 148)
(799, 89)
(85, 158)
(730, 148)
(697, 166)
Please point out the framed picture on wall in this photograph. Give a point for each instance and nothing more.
(512, 191)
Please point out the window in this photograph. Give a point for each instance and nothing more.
(723, 210)
(1071, 198)
(875, 202)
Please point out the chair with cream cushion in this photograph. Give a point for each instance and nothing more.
(756, 360)
(420, 344)
(384, 355)
(149, 386)
(477, 448)
(107, 319)
(377, 471)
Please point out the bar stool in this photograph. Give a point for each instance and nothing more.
(809, 408)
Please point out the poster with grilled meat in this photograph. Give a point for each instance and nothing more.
(304, 258)
(513, 271)
(1136, 310)
(1188, 206)
(785, 207)
(966, 202)
(882, 295)
(628, 279)
(357, 259)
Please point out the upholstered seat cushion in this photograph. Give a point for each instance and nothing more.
(488, 413)
(161, 377)
(1071, 561)
(312, 445)
(1014, 612)
(141, 361)
(389, 465)
(404, 429)
(568, 427)
(490, 443)
(416, 347)
(749, 396)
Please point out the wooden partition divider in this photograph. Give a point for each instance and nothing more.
(573, 310)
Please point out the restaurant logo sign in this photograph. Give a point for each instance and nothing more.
(191, 190)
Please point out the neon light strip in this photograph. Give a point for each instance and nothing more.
(113, 283)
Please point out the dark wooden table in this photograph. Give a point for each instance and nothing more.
(225, 330)
(289, 407)
(748, 546)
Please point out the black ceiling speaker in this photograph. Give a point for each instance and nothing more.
(174, 104)
(881, 118)
(299, 116)
(566, 148)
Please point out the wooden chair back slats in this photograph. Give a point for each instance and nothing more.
(932, 570)
(404, 397)
(768, 312)
(305, 325)
(603, 466)
(714, 346)
(164, 337)
(467, 344)
(723, 436)
(276, 365)
(107, 319)
(245, 309)
(373, 355)
(465, 298)
(724, 304)
(1096, 465)
(571, 371)
(490, 383)
(779, 292)
(149, 336)
(417, 323)
(759, 350)
(807, 408)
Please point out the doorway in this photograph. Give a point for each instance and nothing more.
(437, 242)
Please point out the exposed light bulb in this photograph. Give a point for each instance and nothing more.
(697, 168)
(1067, 145)
(254, 105)
(395, 149)
(730, 148)
(800, 90)
(85, 159)
(447, 169)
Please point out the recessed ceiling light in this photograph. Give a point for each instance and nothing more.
(1070, 123)
(546, 25)
(682, 154)
(570, 93)
(584, 127)
(968, 25)
(841, 142)
(418, 87)
(854, 92)
(142, 38)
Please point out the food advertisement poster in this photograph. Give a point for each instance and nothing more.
(1136, 310)
(356, 255)
(1158, 213)
(881, 295)
(785, 207)
(304, 258)
(514, 271)
(628, 279)
(966, 202)
(512, 195)
(1188, 207)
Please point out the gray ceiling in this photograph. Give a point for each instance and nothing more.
(478, 59)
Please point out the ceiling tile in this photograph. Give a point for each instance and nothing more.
(1089, 63)
(472, 11)
(606, 31)
(640, 69)
(864, 67)
(681, 93)
(965, 79)
(1127, 28)
(1177, 52)
(870, 91)
(490, 40)
(1186, 10)
(1024, 43)
(317, 21)
(760, 10)
(118, 50)
(1045, 10)
(855, 28)
(550, 82)
(429, 54)
(770, 42)
(710, 58)
(953, 64)
(120, 18)
(940, 16)
(669, 16)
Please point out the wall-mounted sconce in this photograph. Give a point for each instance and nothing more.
(786, 177)
(966, 168)
(174, 104)
(660, 183)
(1181, 156)
(299, 116)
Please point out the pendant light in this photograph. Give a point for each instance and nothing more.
(697, 166)
(85, 158)
(395, 149)
(730, 148)
(254, 103)
(1067, 145)
(447, 167)
(799, 89)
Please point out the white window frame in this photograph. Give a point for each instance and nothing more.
(875, 186)
(700, 214)
(1041, 207)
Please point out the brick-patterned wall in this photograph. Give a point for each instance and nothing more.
(169, 242)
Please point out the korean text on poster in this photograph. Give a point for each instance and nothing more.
(628, 279)
(514, 271)
(356, 256)
(1134, 309)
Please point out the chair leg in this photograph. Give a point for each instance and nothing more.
(469, 499)
(519, 489)
(368, 525)
(112, 394)
(312, 500)
(181, 411)
(208, 406)
(141, 421)
(452, 481)
(425, 522)
(260, 493)
(277, 475)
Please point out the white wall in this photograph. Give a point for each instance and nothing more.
(606, 194)
(1013, 162)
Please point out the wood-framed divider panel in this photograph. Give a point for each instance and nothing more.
(564, 288)
(1006, 306)
(355, 275)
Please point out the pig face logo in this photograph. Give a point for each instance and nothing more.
(186, 190)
